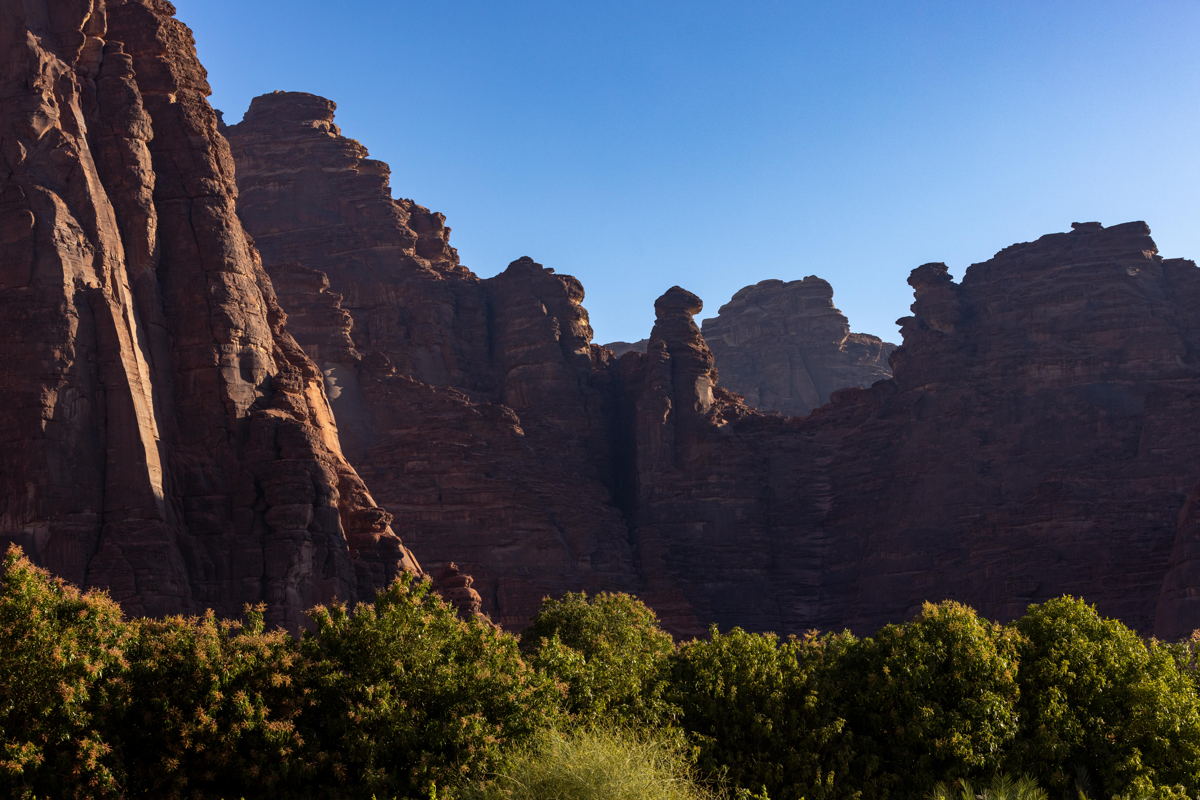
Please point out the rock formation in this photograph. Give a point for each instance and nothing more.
(163, 435)
(476, 409)
(621, 348)
(172, 434)
(785, 347)
(1033, 441)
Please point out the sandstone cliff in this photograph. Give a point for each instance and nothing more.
(167, 437)
(1033, 441)
(476, 409)
(163, 435)
(784, 346)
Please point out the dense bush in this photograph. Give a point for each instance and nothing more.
(611, 654)
(1101, 708)
(396, 697)
(210, 708)
(401, 694)
(928, 700)
(759, 710)
(61, 654)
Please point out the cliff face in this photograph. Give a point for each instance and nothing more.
(476, 409)
(785, 347)
(167, 437)
(1033, 441)
(164, 436)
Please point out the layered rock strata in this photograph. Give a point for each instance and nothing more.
(164, 436)
(477, 409)
(1034, 439)
(167, 437)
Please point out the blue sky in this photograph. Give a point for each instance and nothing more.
(638, 145)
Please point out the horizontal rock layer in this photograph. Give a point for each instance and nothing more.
(1033, 440)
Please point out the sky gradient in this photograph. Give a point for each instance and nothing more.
(637, 145)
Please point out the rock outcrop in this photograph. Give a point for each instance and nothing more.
(164, 436)
(172, 434)
(1033, 440)
(476, 409)
(785, 347)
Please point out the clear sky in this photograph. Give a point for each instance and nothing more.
(643, 144)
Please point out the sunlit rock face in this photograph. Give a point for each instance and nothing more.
(164, 436)
(181, 420)
(477, 410)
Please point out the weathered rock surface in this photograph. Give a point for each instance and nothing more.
(785, 347)
(621, 348)
(166, 436)
(163, 435)
(1033, 441)
(476, 409)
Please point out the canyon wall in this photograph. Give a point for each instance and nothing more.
(1032, 442)
(164, 436)
(191, 426)
(477, 410)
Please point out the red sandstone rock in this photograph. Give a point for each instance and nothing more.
(163, 435)
(785, 347)
(1036, 439)
(476, 409)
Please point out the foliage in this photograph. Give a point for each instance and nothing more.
(401, 694)
(758, 710)
(1102, 709)
(1001, 787)
(212, 707)
(592, 764)
(611, 654)
(60, 649)
(931, 699)
(398, 697)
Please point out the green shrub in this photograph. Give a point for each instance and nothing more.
(930, 699)
(401, 694)
(610, 653)
(211, 710)
(591, 764)
(1102, 709)
(60, 664)
(757, 709)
